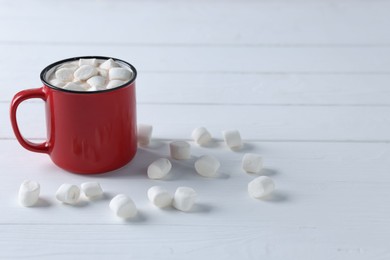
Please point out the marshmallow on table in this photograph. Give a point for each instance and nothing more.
(207, 166)
(29, 193)
(120, 74)
(75, 86)
(252, 163)
(108, 64)
(159, 168)
(123, 206)
(68, 193)
(184, 198)
(64, 74)
(201, 136)
(144, 133)
(115, 83)
(232, 139)
(92, 189)
(261, 187)
(85, 72)
(92, 62)
(180, 150)
(159, 197)
(97, 82)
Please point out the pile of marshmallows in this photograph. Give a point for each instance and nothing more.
(90, 75)
(183, 199)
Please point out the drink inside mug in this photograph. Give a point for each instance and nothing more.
(89, 74)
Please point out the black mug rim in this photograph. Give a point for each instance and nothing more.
(45, 70)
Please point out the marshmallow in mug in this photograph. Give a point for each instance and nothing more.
(90, 75)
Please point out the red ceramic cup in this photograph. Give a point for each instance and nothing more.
(87, 132)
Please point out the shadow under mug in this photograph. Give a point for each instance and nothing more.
(87, 132)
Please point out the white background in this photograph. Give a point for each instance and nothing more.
(307, 83)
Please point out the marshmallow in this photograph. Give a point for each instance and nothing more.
(120, 74)
(85, 72)
(92, 189)
(91, 62)
(261, 187)
(68, 193)
(97, 82)
(29, 193)
(252, 163)
(180, 150)
(159, 168)
(207, 166)
(144, 134)
(64, 74)
(75, 86)
(232, 139)
(123, 206)
(102, 72)
(108, 64)
(115, 83)
(184, 198)
(160, 197)
(201, 136)
(57, 83)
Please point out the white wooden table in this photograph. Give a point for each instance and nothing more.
(306, 82)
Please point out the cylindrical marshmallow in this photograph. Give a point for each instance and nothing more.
(180, 150)
(85, 72)
(159, 196)
(103, 72)
(97, 81)
(252, 163)
(144, 134)
(108, 64)
(92, 189)
(232, 139)
(64, 74)
(201, 136)
(75, 86)
(115, 83)
(261, 187)
(68, 193)
(123, 206)
(29, 193)
(120, 74)
(184, 198)
(92, 62)
(159, 168)
(57, 83)
(207, 166)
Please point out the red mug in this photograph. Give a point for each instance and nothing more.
(87, 132)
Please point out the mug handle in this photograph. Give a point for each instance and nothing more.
(19, 98)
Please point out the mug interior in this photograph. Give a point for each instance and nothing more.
(49, 70)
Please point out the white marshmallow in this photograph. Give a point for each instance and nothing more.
(120, 74)
(75, 86)
(159, 168)
(102, 72)
(91, 62)
(123, 206)
(115, 83)
(57, 83)
(68, 193)
(69, 65)
(85, 72)
(184, 198)
(252, 163)
(232, 139)
(261, 187)
(207, 166)
(159, 197)
(108, 64)
(92, 189)
(64, 74)
(180, 150)
(97, 81)
(144, 133)
(29, 193)
(201, 136)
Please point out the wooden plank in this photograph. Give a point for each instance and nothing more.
(298, 123)
(197, 22)
(238, 89)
